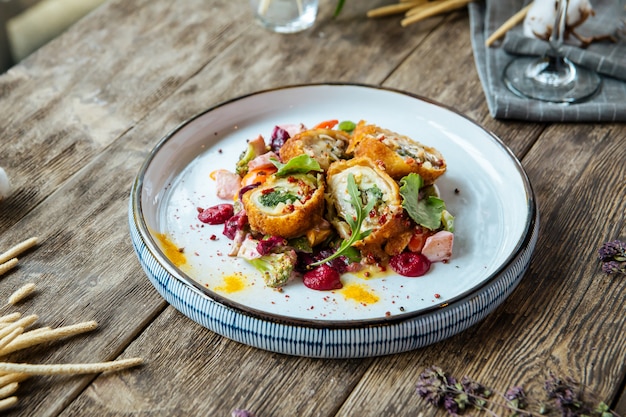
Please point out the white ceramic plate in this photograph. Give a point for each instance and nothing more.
(485, 188)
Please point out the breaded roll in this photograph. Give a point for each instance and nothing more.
(399, 154)
(285, 206)
(385, 220)
(324, 145)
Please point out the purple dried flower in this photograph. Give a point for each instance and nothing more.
(432, 385)
(565, 394)
(516, 398)
(241, 413)
(451, 405)
(614, 267)
(613, 251)
(613, 257)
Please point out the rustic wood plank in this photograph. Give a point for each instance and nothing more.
(92, 84)
(220, 375)
(97, 200)
(84, 187)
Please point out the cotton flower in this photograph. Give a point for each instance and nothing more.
(5, 185)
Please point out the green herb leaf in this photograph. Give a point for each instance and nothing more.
(427, 212)
(347, 126)
(355, 224)
(339, 7)
(277, 196)
(300, 164)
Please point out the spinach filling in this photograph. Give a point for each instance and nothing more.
(277, 196)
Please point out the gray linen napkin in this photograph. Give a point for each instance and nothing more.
(608, 59)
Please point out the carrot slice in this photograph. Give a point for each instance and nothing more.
(327, 124)
(257, 175)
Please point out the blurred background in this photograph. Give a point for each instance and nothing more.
(26, 25)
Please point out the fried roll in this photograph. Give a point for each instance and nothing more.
(386, 218)
(324, 145)
(399, 154)
(285, 206)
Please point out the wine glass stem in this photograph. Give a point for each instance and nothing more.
(558, 31)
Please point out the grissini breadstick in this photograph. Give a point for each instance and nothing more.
(7, 266)
(21, 293)
(7, 403)
(71, 368)
(440, 7)
(394, 8)
(34, 338)
(508, 25)
(18, 249)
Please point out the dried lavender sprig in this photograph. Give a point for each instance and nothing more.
(442, 390)
(613, 251)
(237, 412)
(612, 255)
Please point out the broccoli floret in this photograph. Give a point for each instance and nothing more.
(246, 156)
(276, 267)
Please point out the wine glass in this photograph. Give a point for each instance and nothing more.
(552, 78)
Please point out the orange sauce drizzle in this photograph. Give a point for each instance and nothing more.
(232, 283)
(173, 252)
(359, 293)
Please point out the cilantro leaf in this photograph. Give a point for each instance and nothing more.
(300, 164)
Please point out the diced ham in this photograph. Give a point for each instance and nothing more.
(293, 129)
(438, 247)
(227, 184)
(258, 145)
(263, 161)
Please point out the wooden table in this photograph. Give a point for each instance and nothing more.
(81, 114)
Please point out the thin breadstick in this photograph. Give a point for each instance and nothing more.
(24, 322)
(440, 7)
(7, 266)
(38, 330)
(12, 377)
(21, 293)
(34, 338)
(7, 318)
(11, 337)
(8, 390)
(71, 368)
(18, 249)
(417, 9)
(394, 8)
(508, 25)
(7, 403)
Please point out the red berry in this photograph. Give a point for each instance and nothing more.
(410, 264)
(322, 278)
(216, 214)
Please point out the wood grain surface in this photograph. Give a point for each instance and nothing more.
(79, 117)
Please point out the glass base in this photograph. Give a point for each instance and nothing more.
(556, 80)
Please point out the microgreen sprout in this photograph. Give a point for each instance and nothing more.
(355, 223)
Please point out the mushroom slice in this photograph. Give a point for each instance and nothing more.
(324, 145)
(384, 221)
(399, 154)
(285, 206)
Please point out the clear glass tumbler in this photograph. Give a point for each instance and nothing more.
(285, 16)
